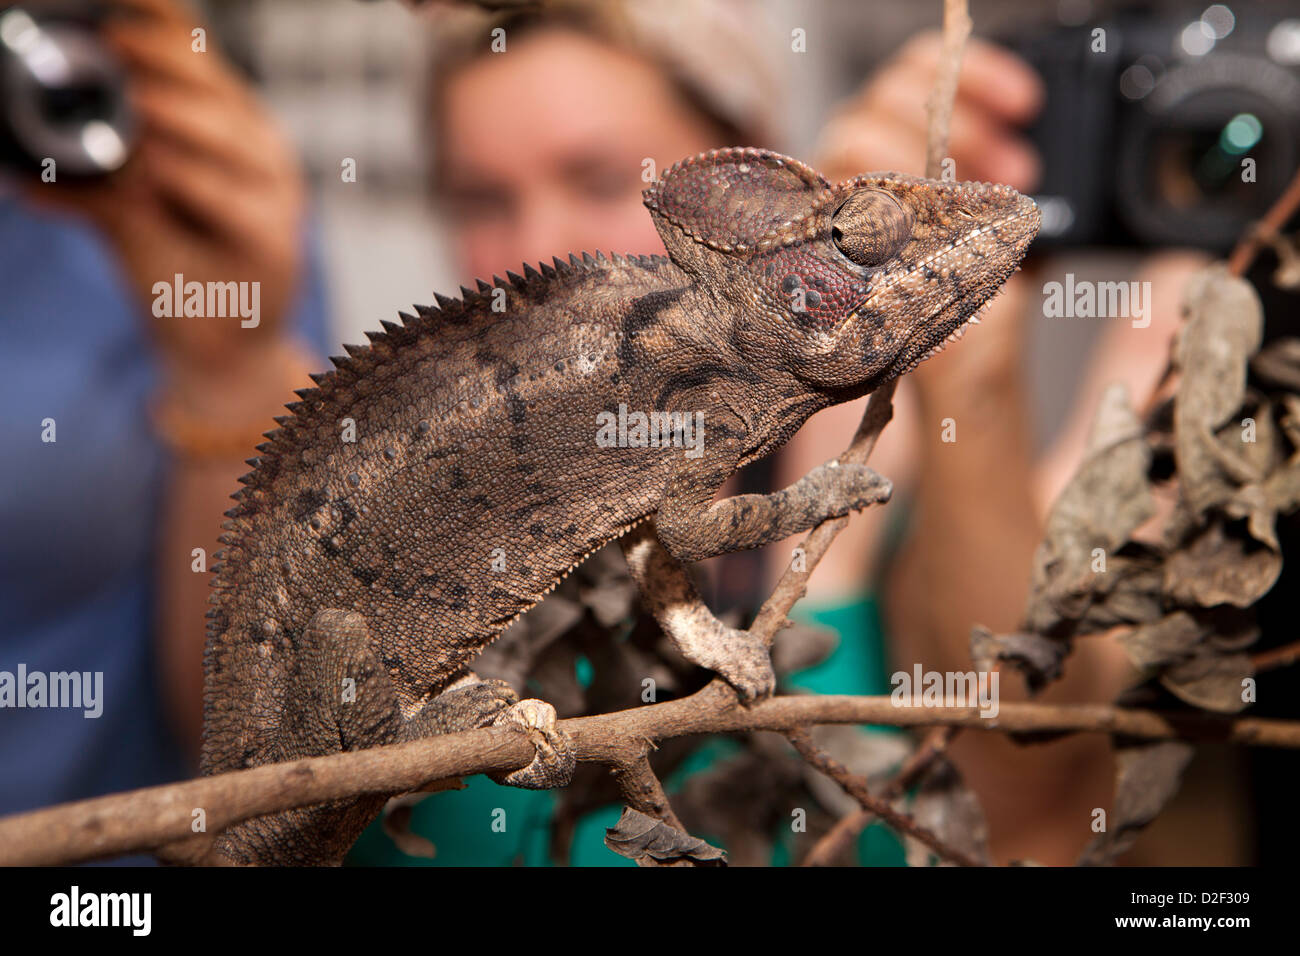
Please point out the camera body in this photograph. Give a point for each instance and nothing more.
(63, 104)
(1165, 130)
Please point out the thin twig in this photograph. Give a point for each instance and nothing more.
(794, 583)
(857, 788)
(846, 829)
(956, 28)
(1259, 234)
(643, 791)
(1276, 657)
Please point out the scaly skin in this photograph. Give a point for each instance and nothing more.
(475, 482)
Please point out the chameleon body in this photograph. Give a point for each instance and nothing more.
(360, 578)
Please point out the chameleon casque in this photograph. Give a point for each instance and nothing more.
(476, 483)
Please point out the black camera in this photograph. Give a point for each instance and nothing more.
(62, 92)
(1161, 129)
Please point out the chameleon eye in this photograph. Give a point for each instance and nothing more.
(871, 227)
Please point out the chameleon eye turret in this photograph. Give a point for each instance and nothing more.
(871, 227)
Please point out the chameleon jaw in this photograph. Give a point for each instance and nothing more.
(956, 335)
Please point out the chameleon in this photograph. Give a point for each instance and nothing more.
(358, 579)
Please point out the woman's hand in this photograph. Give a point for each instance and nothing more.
(884, 126)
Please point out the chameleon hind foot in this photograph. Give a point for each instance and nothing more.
(553, 763)
(467, 705)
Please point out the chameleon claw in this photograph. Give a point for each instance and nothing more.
(553, 762)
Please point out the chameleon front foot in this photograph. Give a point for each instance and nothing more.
(553, 763)
(737, 656)
(742, 660)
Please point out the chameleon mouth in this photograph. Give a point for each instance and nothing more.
(956, 335)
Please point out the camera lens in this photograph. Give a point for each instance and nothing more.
(1210, 146)
(75, 105)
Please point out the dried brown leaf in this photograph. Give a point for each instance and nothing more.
(397, 825)
(1224, 328)
(1147, 777)
(1252, 503)
(1210, 681)
(1037, 658)
(1291, 419)
(1221, 564)
(1277, 364)
(1164, 642)
(513, 656)
(1283, 488)
(744, 800)
(652, 842)
(1131, 586)
(1108, 497)
(611, 600)
(800, 646)
(1287, 249)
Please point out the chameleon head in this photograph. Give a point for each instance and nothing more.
(859, 282)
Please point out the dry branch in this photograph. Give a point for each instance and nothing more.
(1261, 232)
(793, 585)
(846, 829)
(142, 820)
(956, 29)
(857, 788)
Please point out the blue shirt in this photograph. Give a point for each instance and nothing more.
(78, 516)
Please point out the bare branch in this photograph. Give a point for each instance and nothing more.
(142, 820)
(643, 791)
(856, 787)
(847, 828)
(956, 28)
(1276, 657)
(1261, 232)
